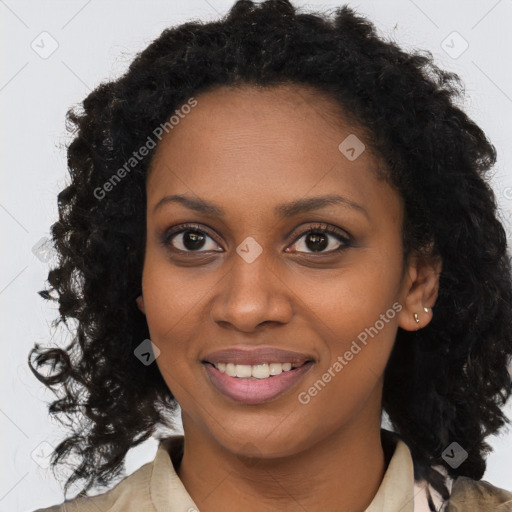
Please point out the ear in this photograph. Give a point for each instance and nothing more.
(419, 291)
(140, 303)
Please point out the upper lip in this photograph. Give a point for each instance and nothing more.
(256, 355)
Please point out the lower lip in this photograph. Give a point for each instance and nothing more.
(255, 391)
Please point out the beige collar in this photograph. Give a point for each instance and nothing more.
(166, 488)
(396, 492)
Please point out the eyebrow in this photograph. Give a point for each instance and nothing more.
(284, 210)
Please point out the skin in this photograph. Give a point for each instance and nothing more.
(248, 150)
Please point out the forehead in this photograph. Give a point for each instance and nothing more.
(263, 145)
(250, 114)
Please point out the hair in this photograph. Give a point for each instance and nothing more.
(446, 382)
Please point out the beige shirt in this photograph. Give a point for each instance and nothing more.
(156, 487)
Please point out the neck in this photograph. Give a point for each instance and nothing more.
(346, 469)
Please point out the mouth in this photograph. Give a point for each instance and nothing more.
(256, 371)
(255, 383)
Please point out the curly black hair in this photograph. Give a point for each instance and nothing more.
(446, 382)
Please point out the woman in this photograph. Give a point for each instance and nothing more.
(281, 223)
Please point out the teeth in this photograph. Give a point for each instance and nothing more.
(231, 370)
(243, 370)
(275, 368)
(258, 371)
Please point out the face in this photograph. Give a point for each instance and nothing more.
(268, 244)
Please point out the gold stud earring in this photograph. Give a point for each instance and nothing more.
(416, 318)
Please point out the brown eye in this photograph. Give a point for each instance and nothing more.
(190, 240)
(316, 241)
(321, 240)
(193, 240)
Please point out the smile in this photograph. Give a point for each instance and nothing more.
(258, 371)
(255, 384)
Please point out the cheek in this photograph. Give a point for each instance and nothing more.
(172, 307)
(356, 318)
(353, 298)
(172, 295)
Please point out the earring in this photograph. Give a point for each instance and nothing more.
(416, 318)
(426, 310)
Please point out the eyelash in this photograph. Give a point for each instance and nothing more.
(345, 239)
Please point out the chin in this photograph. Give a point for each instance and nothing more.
(268, 443)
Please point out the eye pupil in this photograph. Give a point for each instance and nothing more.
(316, 241)
(193, 240)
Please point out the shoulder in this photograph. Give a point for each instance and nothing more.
(469, 494)
(132, 494)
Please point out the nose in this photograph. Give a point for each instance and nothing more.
(251, 294)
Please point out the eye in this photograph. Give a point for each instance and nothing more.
(317, 239)
(190, 238)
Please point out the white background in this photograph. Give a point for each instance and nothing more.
(96, 41)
